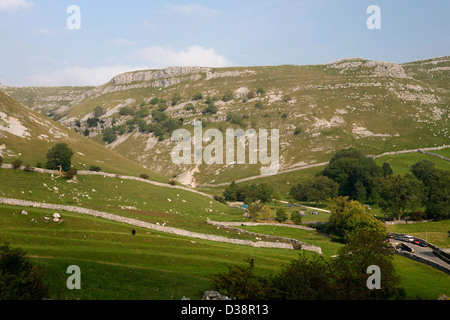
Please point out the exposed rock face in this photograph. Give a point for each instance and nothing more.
(150, 75)
(383, 68)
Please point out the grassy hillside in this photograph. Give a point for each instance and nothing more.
(374, 106)
(28, 135)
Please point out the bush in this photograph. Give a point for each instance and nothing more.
(259, 105)
(28, 168)
(109, 136)
(1, 160)
(19, 278)
(298, 131)
(189, 107)
(144, 176)
(220, 199)
(70, 174)
(210, 109)
(296, 218)
(16, 164)
(154, 101)
(260, 91)
(176, 98)
(227, 97)
(197, 96)
(172, 182)
(281, 215)
(95, 168)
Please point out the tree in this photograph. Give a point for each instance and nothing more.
(109, 136)
(354, 173)
(422, 169)
(364, 249)
(387, 170)
(176, 98)
(19, 278)
(59, 157)
(398, 194)
(239, 282)
(320, 188)
(281, 215)
(349, 216)
(296, 217)
(98, 112)
(437, 193)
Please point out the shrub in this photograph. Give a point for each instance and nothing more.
(176, 98)
(16, 164)
(95, 168)
(220, 199)
(298, 131)
(1, 160)
(251, 95)
(260, 91)
(197, 96)
(109, 136)
(98, 112)
(28, 168)
(227, 97)
(172, 182)
(210, 109)
(144, 176)
(189, 107)
(20, 279)
(259, 105)
(154, 101)
(281, 215)
(93, 122)
(296, 218)
(70, 174)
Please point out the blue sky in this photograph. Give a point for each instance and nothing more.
(37, 48)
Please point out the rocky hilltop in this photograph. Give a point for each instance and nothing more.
(375, 106)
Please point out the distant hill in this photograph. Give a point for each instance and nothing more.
(27, 135)
(375, 106)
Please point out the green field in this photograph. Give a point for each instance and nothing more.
(156, 266)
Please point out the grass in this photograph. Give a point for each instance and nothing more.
(129, 198)
(156, 266)
(402, 163)
(116, 265)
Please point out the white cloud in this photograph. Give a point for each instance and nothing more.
(79, 76)
(198, 56)
(192, 9)
(7, 5)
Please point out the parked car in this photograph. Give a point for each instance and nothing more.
(408, 238)
(420, 242)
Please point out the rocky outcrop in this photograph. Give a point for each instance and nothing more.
(151, 75)
(380, 68)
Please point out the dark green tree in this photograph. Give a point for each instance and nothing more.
(387, 170)
(59, 157)
(398, 194)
